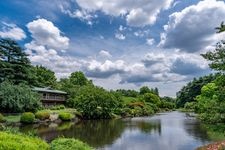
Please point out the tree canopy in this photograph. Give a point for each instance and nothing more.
(14, 64)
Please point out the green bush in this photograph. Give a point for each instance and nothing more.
(18, 98)
(95, 103)
(27, 117)
(58, 107)
(42, 115)
(65, 116)
(9, 141)
(190, 105)
(136, 104)
(68, 144)
(2, 119)
(151, 98)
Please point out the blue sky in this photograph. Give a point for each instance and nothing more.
(117, 43)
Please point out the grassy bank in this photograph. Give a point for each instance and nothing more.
(19, 141)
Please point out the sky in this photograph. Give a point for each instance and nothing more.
(117, 43)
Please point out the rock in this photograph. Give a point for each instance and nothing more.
(53, 117)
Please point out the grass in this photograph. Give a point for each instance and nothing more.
(16, 118)
(128, 100)
(12, 118)
(69, 144)
(19, 141)
(216, 132)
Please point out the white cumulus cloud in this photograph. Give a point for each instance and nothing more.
(12, 31)
(137, 13)
(44, 32)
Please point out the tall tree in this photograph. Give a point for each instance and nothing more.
(44, 77)
(78, 78)
(192, 89)
(14, 64)
(144, 89)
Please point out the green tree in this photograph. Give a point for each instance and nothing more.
(193, 89)
(44, 77)
(221, 28)
(18, 98)
(144, 90)
(151, 98)
(94, 102)
(78, 78)
(14, 64)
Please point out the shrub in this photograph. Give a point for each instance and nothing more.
(136, 104)
(68, 144)
(2, 119)
(95, 103)
(65, 116)
(42, 115)
(190, 105)
(151, 98)
(18, 98)
(58, 107)
(18, 141)
(147, 110)
(27, 117)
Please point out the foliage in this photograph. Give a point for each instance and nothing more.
(42, 115)
(65, 116)
(94, 102)
(18, 141)
(14, 64)
(168, 99)
(167, 105)
(68, 144)
(192, 89)
(78, 78)
(145, 89)
(27, 118)
(190, 106)
(44, 77)
(58, 107)
(18, 98)
(13, 118)
(128, 93)
(2, 119)
(216, 57)
(210, 104)
(72, 84)
(136, 104)
(151, 98)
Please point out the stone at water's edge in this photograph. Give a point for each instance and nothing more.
(214, 146)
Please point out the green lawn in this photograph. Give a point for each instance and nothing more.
(12, 118)
(128, 100)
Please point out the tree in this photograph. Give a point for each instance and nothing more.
(18, 98)
(14, 64)
(193, 89)
(216, 57)
(94, 102)
(144, 90)
(44, 77)
(221, 28)
(151, 98)
(78, 78)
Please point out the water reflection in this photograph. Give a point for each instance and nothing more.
(173, 131)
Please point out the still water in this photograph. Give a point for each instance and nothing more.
(163, 131)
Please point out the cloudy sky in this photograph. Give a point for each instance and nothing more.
(117, 43)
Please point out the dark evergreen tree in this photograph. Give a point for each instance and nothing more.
(14, 64)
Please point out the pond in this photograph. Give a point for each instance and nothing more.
(163, 131)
